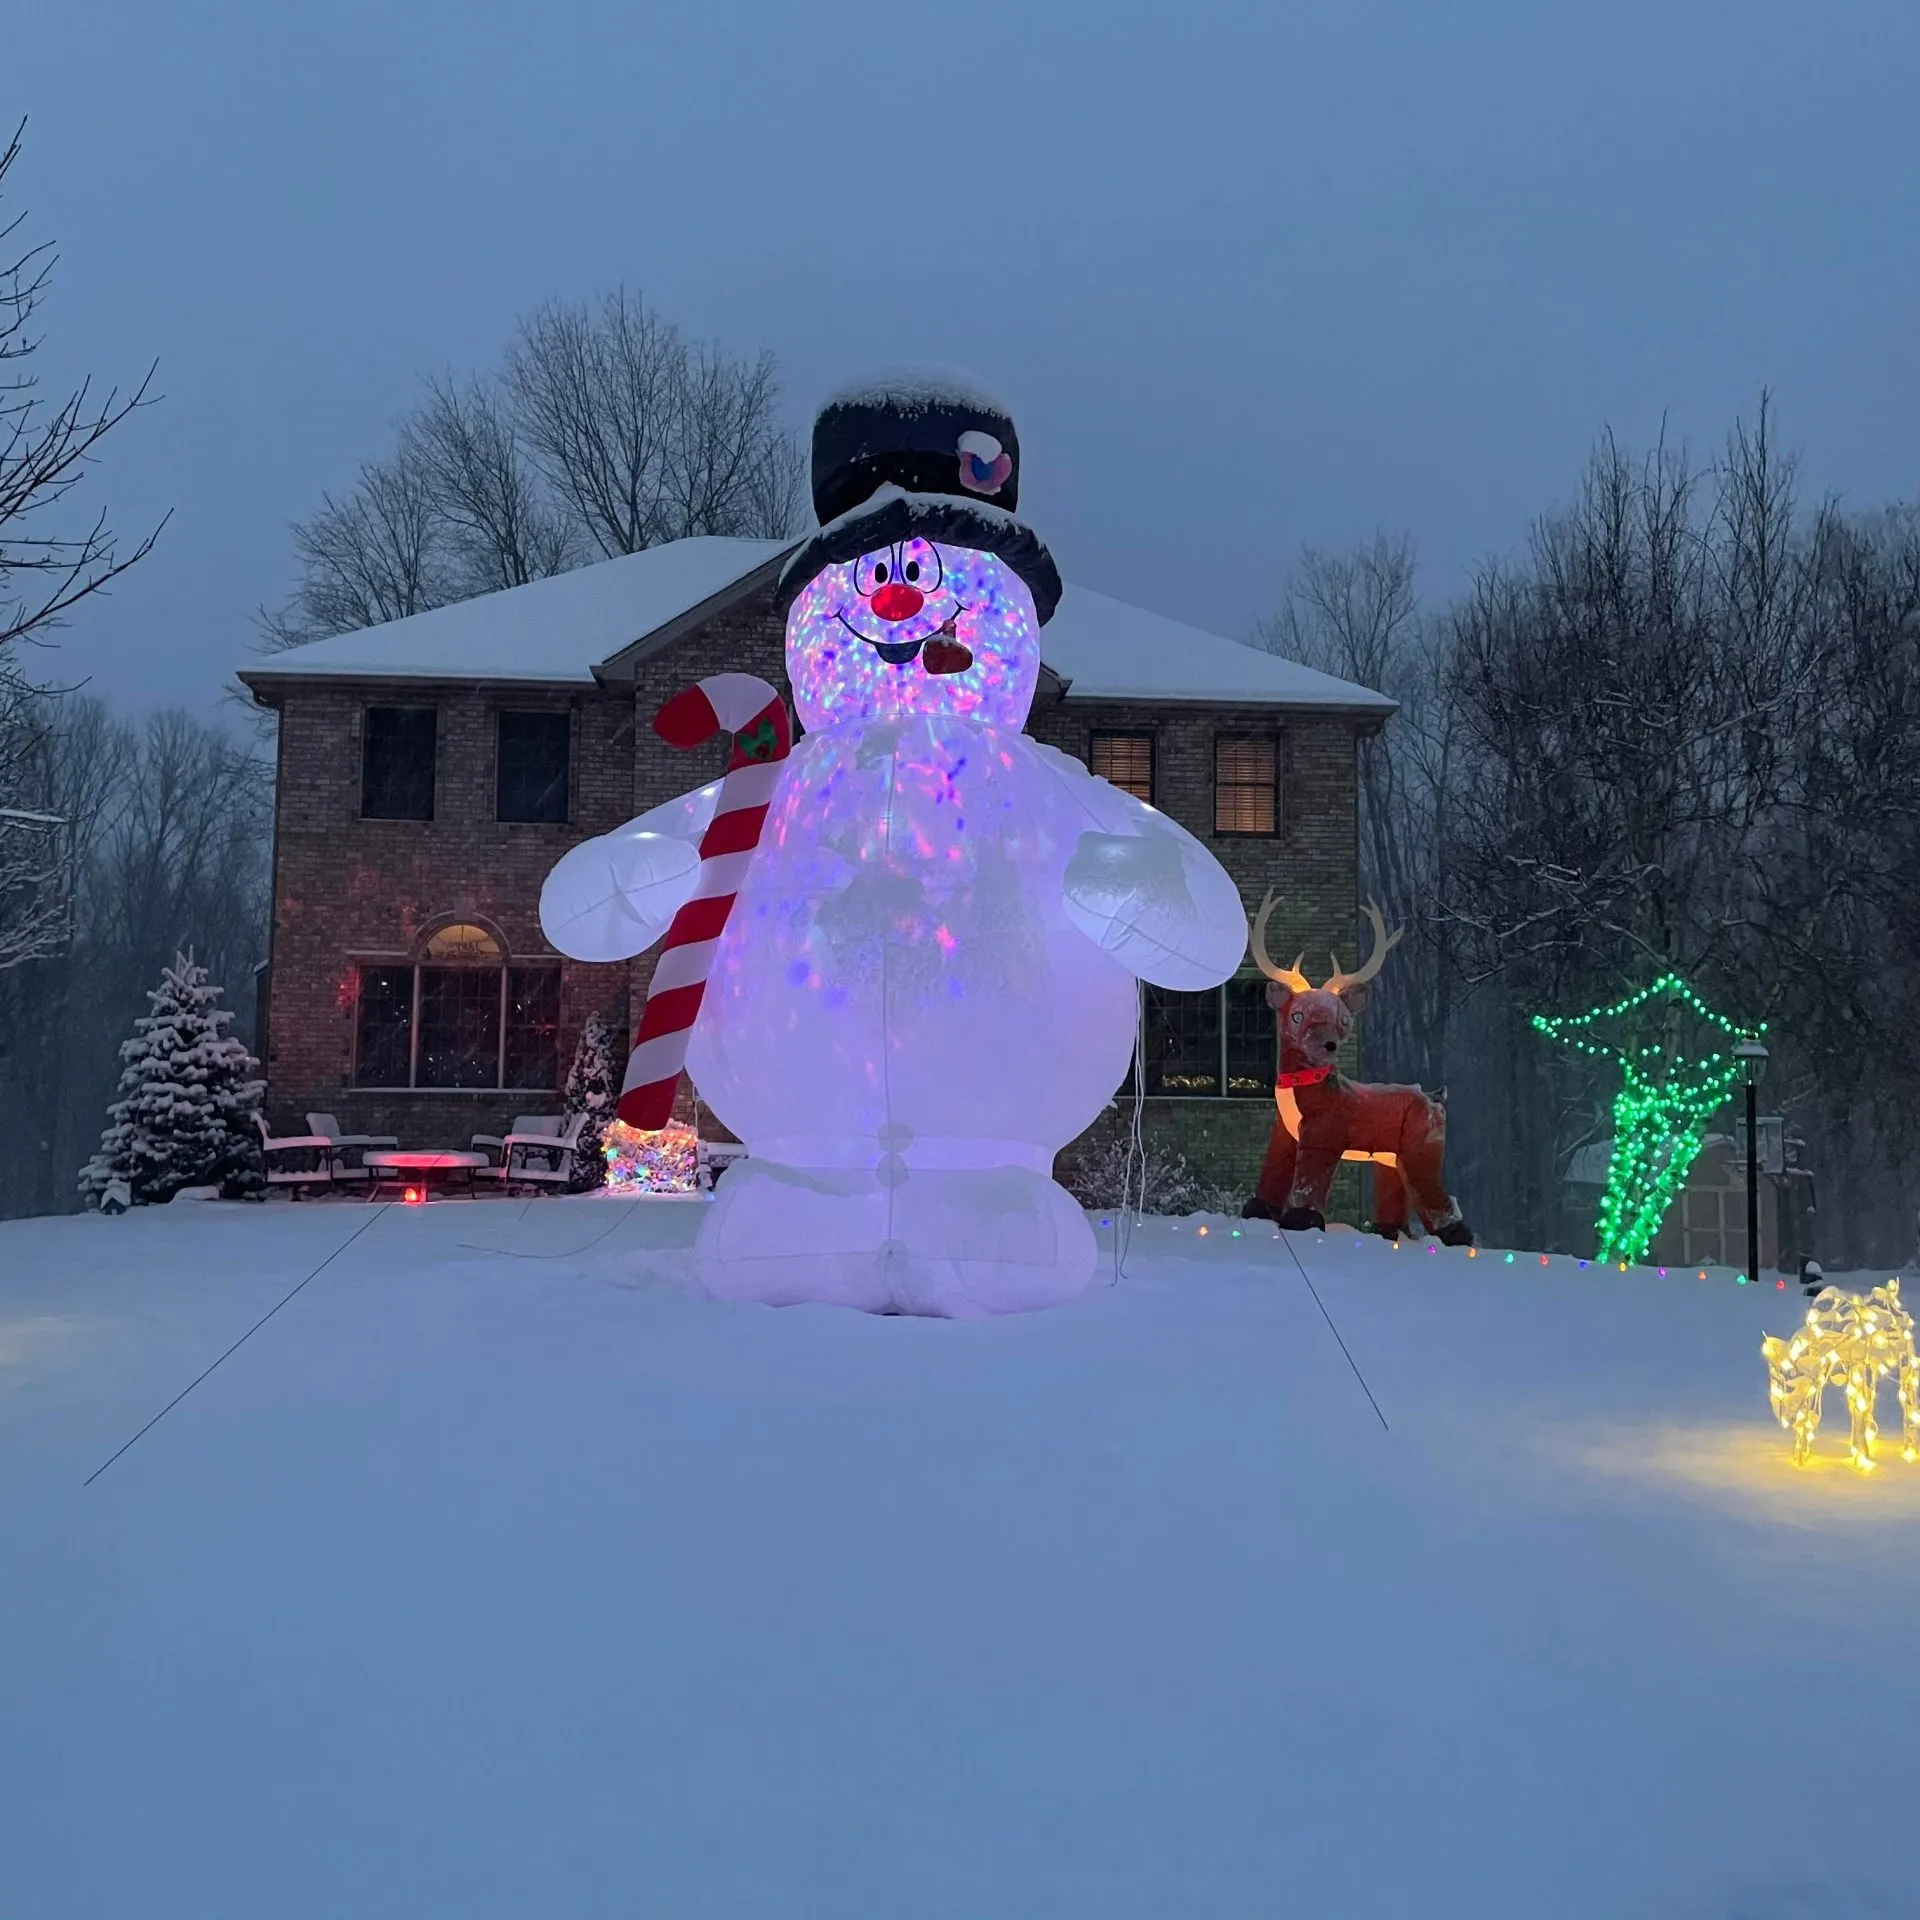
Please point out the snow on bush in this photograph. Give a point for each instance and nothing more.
(592, 1090)
(187, 1099)
(1169, 1186)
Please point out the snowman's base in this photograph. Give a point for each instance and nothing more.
(955, 1244)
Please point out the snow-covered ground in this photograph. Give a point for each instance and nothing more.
(501, 1574)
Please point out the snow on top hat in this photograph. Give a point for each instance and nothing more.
(923, 453)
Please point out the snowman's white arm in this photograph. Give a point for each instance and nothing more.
(1144, 890)
(614, 896)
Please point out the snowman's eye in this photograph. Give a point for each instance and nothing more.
(920, 565)
(874, 570)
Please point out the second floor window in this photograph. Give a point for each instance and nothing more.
(1126, 759)
(1246, 784)
(396, 763)
(534, 759)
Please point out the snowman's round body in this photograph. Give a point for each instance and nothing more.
(900, 1021)
(904, 1028)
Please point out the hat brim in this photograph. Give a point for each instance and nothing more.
(892, 515)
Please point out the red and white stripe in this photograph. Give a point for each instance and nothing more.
(750, 710)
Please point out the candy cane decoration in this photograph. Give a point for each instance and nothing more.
(756, 716)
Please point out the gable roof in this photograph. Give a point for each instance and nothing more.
(1107, 650)
(554, 631)
(594, 623)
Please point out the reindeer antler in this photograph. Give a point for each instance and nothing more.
(1383, 944)
(1287, 976)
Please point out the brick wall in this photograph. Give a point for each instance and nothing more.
(348, 889)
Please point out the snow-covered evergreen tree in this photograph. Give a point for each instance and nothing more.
(591, 1089)
(184, 1117)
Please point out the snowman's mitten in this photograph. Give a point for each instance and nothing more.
(1165, 916)
(613, 897)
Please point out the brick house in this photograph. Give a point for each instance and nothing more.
(432, 770)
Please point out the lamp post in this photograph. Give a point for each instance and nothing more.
(1752, 1055)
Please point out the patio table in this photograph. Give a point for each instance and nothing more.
(408, 1167)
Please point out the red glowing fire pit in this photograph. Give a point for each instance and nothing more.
(414, 1175)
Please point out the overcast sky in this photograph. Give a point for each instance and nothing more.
(1253, 276)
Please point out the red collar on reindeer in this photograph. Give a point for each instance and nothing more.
(1302, 1076)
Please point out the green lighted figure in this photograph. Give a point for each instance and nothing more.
(1662, 1108)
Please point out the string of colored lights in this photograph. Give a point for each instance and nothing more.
(1659, 1114)
(645, 1160)
(1383, 1247)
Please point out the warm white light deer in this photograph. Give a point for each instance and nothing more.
(1854, 1341)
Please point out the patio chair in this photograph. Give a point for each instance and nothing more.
(714, 1158)
(548, 1126)
(519, 1151)
(298, 1178)
(327, 1127)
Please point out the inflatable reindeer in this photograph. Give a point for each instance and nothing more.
(1324, 1117)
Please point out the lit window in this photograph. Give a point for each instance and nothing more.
(396, 763)
(532, 766)
(1182, 1041)
(460, 1018)
(1252, 1040)
(1126, 759)
(1246, 784)
(1205, 1045)
(384, 1057)
(462, 942)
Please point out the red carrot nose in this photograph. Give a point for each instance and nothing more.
(897, 601)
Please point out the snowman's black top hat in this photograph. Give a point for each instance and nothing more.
(918, 454)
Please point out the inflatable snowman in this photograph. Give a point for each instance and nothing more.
(918, 983)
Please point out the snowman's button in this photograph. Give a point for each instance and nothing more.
(893, 1253)
(892, 1171)
(894, 1137)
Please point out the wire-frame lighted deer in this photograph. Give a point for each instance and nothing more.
(1324, 1117)
(1853, 1341)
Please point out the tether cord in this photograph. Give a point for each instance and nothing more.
(1127, 1214)
(237, 1345)
(1287, 1239)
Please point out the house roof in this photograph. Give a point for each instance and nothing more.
(1107, 650)
(554, 631)
(591, 623)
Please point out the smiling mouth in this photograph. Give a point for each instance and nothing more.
(896, 653)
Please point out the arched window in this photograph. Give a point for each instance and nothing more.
(460, 1016)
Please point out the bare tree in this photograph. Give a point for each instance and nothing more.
(378, 553)
(603, 433)
(500, 529)
(44, 454)
(596, 395)
(647, 437)
(726, 452)
(47, 567)
(1357, 615)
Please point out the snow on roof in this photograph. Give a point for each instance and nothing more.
(1111, 651)
(557, 629)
